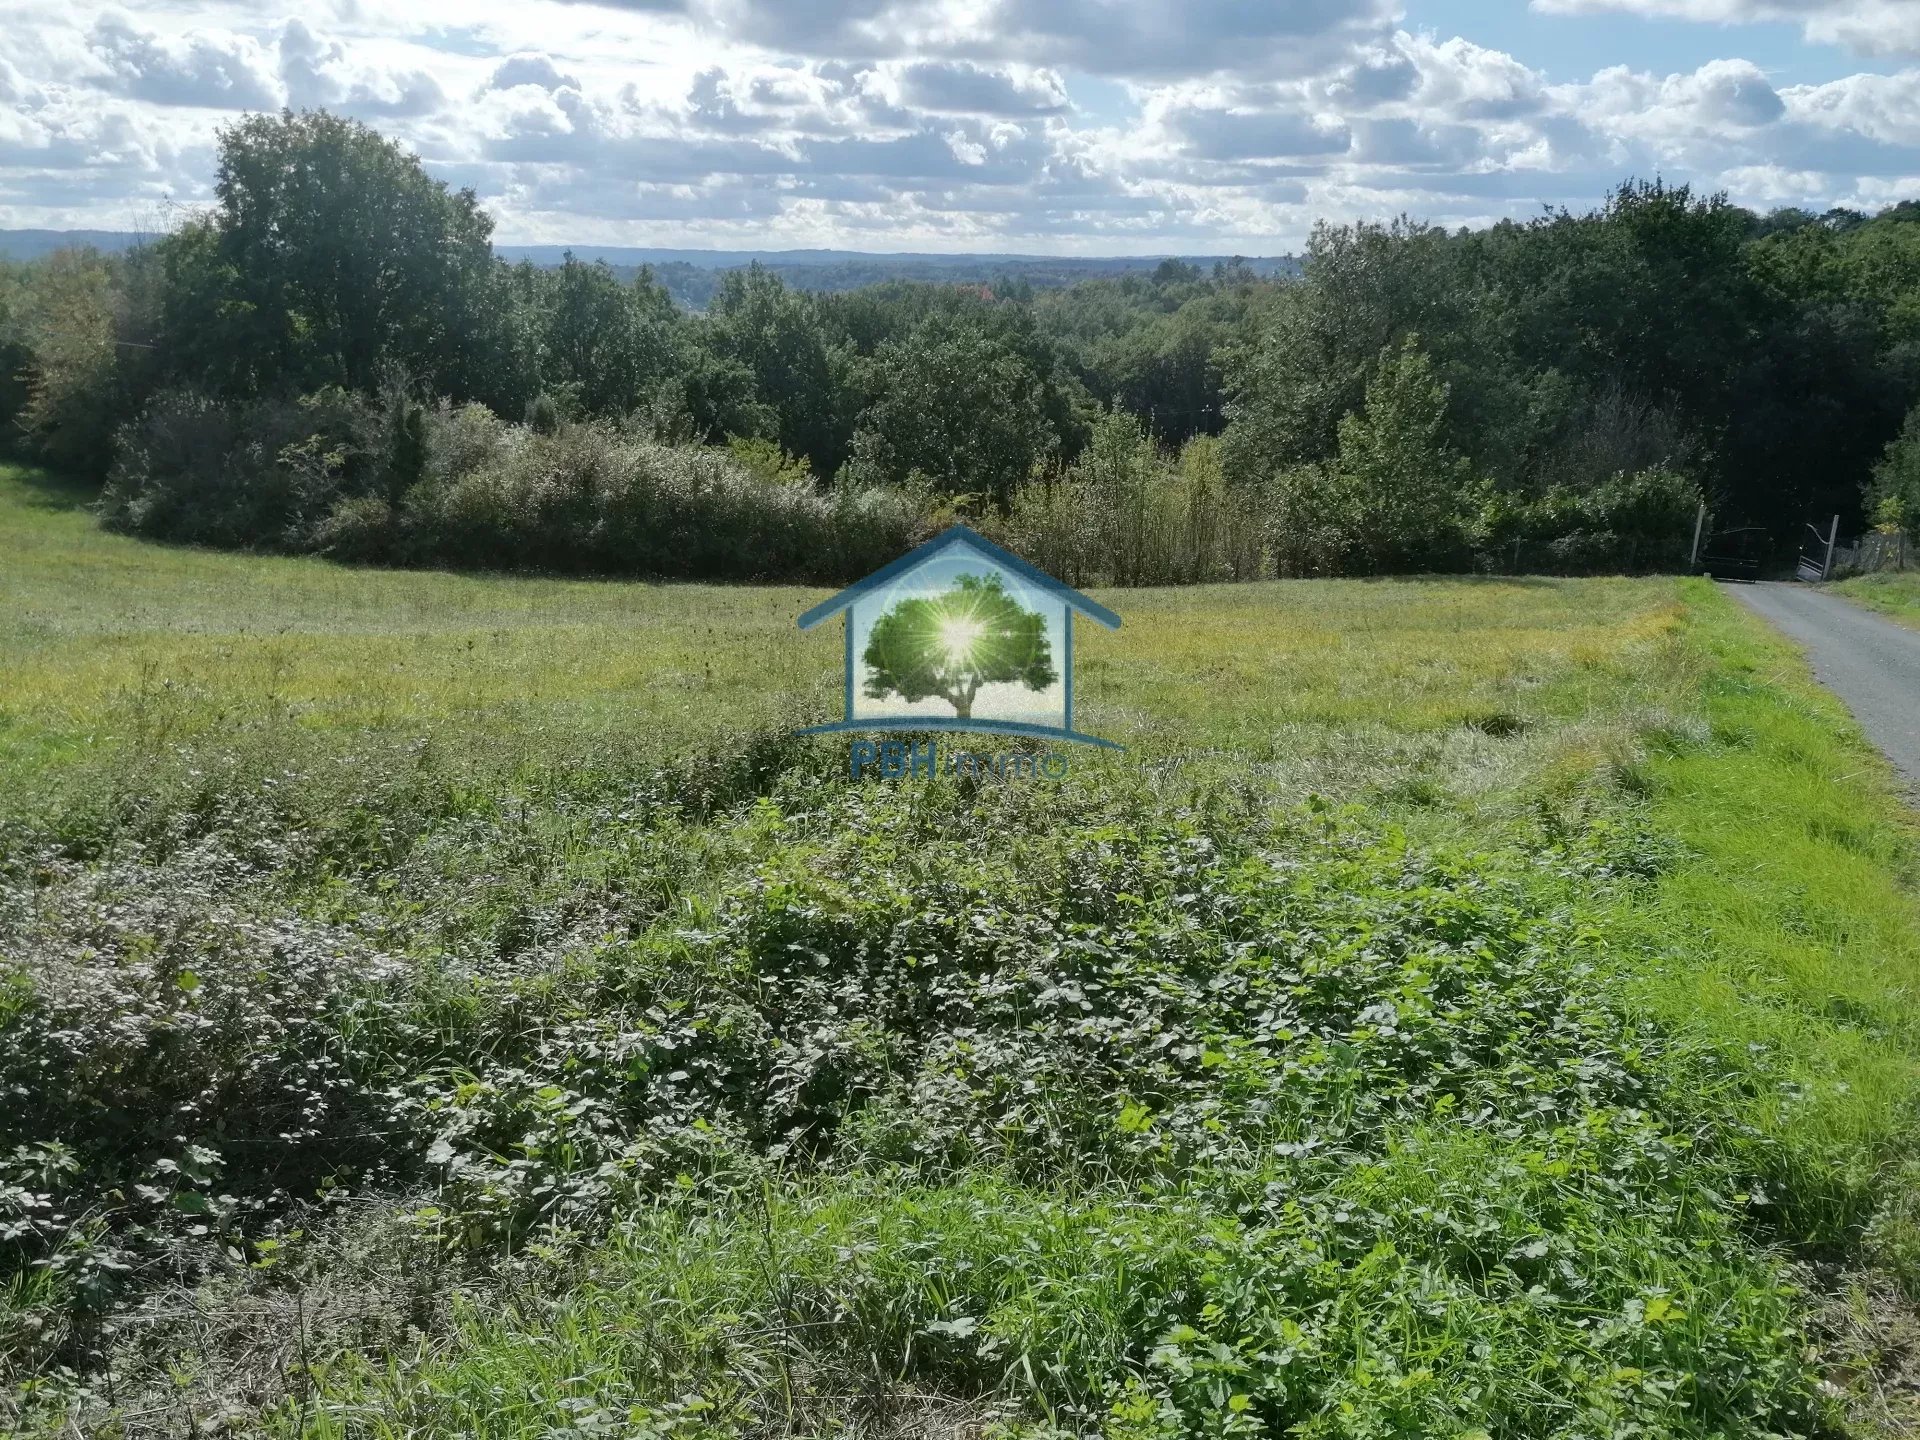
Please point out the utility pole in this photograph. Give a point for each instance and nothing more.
(1826, 570)
(1700, 519)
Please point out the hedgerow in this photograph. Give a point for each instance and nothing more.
(340, 475)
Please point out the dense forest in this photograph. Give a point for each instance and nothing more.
(333, 358)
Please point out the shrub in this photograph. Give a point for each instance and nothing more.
(1893, 497)
(394, 483)
(1051, 525)
(588, 498)
(1889, 514)
(265, 473)
(1650, 513)
(1639, 521)
(1125, 515)
(543, 414)
(1225, 524)
(1306, 538)
(359, 527)
(765, 460)
(459, 439)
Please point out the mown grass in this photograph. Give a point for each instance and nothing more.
(1467, 1007)
(1892, 592)
(1794, 926)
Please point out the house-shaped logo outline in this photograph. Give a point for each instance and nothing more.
(1071, 601)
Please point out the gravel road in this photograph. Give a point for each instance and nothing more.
(1869, 661)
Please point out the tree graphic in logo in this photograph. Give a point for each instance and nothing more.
(952, 644)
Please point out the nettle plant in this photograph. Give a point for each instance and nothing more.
(1259, 1027)
(173, 1065)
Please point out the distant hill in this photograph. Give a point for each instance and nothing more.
(32, 244)
(894, 260)
(692, 275)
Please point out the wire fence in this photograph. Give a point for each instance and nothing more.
(1876, 550)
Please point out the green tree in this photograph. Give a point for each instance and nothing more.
(1150, 344)
(959, 407)
(897, 316)
(1894, 497)
(80, 381)
(711, 397)
(604, 345)
(1398, 495)
(16, 347)
(798, 371)
(1313, 348)
(952, 644)
(1124, 480)
(336, 253)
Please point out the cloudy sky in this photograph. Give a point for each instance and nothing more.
(1044, 126)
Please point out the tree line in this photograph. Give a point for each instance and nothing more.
(333, 358)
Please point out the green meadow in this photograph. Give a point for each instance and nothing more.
(116, 647)
(442, 1005)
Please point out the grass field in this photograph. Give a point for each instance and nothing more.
(1896, 593)
(438, 1005)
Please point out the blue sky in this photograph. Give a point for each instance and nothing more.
(1570, 47)
(1046, 126)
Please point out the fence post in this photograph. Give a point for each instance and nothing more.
(1826, 570)
(1699, 519)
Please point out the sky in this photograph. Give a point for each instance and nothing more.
(1106, 127)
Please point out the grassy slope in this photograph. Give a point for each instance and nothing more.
(1675, 878)
(1774, 951)
(192, 641)
(1895, 593)
(115, 644)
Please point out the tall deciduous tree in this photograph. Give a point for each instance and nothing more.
(1397, 496)
(798, 371)
(78, 386)
(338, 255)
(604, 345)
(958, 407)
(1308, 362)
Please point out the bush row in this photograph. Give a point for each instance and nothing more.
(396, 483)
(389, 481)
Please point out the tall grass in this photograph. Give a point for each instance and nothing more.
(440, 1005)
(1793, 936)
